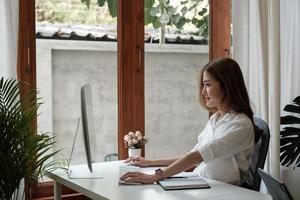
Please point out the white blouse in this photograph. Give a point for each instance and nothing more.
(225, 145)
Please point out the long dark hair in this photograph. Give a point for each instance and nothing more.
(228, 73)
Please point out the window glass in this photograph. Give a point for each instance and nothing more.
(174, 117)
(68, 56)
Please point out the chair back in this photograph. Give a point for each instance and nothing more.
(259, 154)
(276, 188)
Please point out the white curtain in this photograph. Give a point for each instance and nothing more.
(9, 27)
(290, 73)
(256, 47)
(290, 50)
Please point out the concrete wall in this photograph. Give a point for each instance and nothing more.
(174, 117)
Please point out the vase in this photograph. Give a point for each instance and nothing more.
(134, 152)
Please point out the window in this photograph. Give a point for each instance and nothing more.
(131, 84)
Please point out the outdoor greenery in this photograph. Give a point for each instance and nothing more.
(183, 16)
(160, 13)
(290, 135)
(72, 12)
(23, 154)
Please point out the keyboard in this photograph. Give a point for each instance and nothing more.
(128, 168)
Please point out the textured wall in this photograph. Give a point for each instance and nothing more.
(174, 117)
(71, 69)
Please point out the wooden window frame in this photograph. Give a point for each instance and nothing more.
(131, 108)
(219, 29)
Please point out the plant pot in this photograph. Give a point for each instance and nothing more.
(134, 152)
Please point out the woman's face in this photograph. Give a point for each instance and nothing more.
(212, 91)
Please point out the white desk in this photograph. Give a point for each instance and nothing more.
(109, 188)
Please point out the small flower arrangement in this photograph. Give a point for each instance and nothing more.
(135, 140)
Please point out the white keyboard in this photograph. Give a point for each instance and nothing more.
(128, 168)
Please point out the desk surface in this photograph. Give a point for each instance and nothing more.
(108, 187)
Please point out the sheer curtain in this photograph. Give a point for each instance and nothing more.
(9, 23)
(9, 28)
(290, 50)
(256, 46)
(290, 72)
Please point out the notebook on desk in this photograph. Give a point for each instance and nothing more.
(179, 183)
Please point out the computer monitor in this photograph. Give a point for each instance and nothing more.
(87, 117)
(87, 121)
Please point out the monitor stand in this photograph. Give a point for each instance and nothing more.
(81, 171)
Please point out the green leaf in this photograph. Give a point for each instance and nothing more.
(101, 2)
(164, 2)
(184, 10)
(184, 2)
(148, 18)
(297, 100)
(193, 6)
(194, 21)
(292, 108)
(290, 131)
(289, 120)
(87, 2)
(202, 12)
(156, 23)
(181, 22)
(175, 18)
(23, 154)
(170, 10)
(154, 11)
(199, 23)
(164, 19)
(149, 3)
(290, 136)
(113, 7)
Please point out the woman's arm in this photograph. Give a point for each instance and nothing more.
(179, 165)
(142, 162)
(182, 164)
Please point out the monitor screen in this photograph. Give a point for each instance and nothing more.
(87, 120)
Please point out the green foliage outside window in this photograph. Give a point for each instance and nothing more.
(160, 13)
(179, 16)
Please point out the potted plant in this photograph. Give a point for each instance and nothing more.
(23, 154)
(290, 135)
(134, 142)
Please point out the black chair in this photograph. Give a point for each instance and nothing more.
(276, 188)
(111, 157)
(259, 154)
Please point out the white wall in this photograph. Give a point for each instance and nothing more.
(174, 117)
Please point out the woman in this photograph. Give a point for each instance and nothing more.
(225, 144)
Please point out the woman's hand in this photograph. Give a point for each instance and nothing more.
(138, 161)
(138, 177)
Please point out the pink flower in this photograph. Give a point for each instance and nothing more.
(138, 133)
(131, 134)
(126, 138)
(139, 137)
(135, 141)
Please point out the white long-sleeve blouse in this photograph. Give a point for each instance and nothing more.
(225, 145)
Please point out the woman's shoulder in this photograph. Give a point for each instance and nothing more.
(239, 118)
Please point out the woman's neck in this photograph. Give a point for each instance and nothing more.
(222, 112)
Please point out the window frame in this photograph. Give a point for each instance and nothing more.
(131, 108)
